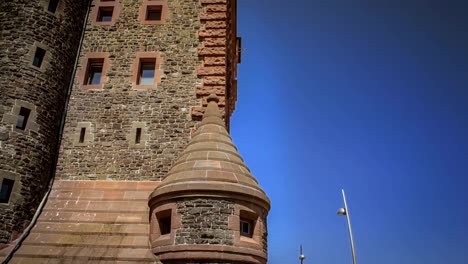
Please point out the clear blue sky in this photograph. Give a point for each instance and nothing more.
(370, 96)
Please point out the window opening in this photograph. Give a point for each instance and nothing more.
(82, 134)
(246, 228)
(164, 221)
(153, 13)
(5, 192)
(105, 14)
(94, 71)
(138, 136)
(23, 117)
(52, 6)
(146, 72)
(38, 57)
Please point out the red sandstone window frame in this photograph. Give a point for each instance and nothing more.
(153, 4)
(101, 5)
(82, 74)
(251, 214)
(156, 238)
(144, 57)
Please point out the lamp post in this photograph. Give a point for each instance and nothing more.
(301, 256)
(344, 211)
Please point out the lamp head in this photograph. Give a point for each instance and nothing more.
(341, 211)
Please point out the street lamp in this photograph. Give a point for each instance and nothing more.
(301, 256)
(344, 211)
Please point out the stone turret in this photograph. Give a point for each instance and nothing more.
(209, 208)
(38, 47)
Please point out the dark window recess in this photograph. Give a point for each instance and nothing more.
(82, 134)
(153, 13)
(138, 136)
(164, 220)
(146, 72)
(5, 192)
(23, 117)
(105, 14)
(94, 71)
(52, 6)
(38, 57)
(246, 228)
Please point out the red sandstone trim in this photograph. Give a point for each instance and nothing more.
(213, 52)
(95, 11)
(141, 56)
(80, 76)
(210, 252)
(254, 213)
(164, 12)
(156, 239)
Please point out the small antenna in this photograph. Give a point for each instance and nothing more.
(301, 256)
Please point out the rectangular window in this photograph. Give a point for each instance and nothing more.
(246, 228)
(164, 221)
(38, 57)
(82, 134)
(138, 136)
(94, 71)
(105, 14)
(146, 72)
(23, 117)
(52, 6)
(5, 192)
(153, 12)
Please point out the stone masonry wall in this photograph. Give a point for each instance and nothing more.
(27, 156)
(113, 112)
(205, 221)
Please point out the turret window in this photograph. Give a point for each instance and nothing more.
(52, 7)
(246, 228)
(23, 117)
(5, 191)
(247, 222)
(38, 57)
(164, 221)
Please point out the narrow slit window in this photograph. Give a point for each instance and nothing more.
(94, 71)
(82, 134)
(154, 13)
(164, 221)
(105, 14)
(52, 7)
(5, 191)
(138, 136)
(146, 72)
(23, 117)
(38, 57)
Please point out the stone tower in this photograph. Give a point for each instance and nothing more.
(209, 208)
(39, 40)
(135, 83)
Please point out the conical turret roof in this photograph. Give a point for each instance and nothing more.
(211, 165)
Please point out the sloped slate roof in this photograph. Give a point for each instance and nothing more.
(91, 222)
